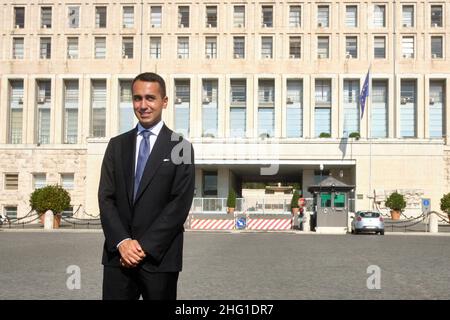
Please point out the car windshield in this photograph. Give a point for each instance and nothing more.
(369, 214)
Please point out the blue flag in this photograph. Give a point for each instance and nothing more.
(364, 93)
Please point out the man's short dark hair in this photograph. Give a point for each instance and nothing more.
(151, 77)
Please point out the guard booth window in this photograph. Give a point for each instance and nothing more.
(339, 200)
(325, 199)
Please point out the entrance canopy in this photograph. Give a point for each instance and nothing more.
(330, 184)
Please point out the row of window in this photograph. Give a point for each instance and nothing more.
(294, 105)
(39, 181)
(267, 48)
(211, 18)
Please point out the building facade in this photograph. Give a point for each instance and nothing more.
(267, 91)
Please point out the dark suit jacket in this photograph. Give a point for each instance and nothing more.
(155, 219)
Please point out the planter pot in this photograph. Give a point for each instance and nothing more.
(42, 218)
(231, 210)
(56, 221)
(395, 214)
(295, 211)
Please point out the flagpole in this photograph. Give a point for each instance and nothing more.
(369, 134)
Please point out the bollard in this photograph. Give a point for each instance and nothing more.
(433, 223)
(306, 218)
(48, 220)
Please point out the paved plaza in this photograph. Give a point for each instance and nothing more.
(37, 265)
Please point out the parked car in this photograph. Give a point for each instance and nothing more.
(368, 221)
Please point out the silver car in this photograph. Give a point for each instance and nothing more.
(368, 221)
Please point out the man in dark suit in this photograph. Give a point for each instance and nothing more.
(145, 193)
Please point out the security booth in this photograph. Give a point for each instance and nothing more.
(331, 205)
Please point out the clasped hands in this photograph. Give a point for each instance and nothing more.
(131, 253)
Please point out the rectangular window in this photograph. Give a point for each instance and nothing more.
(18, 48)
(19, 17)
(183, 47)
(209, 108)
(436, 16)
(351, 47)
(98, 108)
(295, 47)
(156, 16)
(408, 16)
(71, 103)
(408, 47)
(39, 180)
(436, 47)
(11, 181)
(211, 16)
(73, 16)
(126, 112)
(182, 106)
(15, 111)
(238, 107)
(351, 16)
(267, 16)
(295, 14)
(239, 47)
(72, 48)
(351, 107)
(100, 47)
(46, 48)
(266, 108)
(211, 47)
(127, 47)
(408, 109)
(239, 16)
(267, 47)
(67, 181)
(294, 108)
(322, 112)
(437, 109)
(68, 212)
(11, 212)
(379, 109)
(323, 16)
(379, 47)
(44, 95)
(323, 47)
(128, 17)
(100, 17)
(155, 47)
(46, 17)
(183, 16)
(209, 183)
(379, 16)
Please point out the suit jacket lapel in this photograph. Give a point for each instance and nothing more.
(158, 152)
(128, 163)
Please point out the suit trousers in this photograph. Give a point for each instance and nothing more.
(131, 283)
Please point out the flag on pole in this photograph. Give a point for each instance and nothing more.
(364, 93)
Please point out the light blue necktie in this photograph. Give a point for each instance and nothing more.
(144, 152)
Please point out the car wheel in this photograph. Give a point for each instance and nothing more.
(382, 233)
(356, 231)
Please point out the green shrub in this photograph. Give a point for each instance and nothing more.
(294, 201)
(396, 201)
(53, 197)
(324, 135)
(445, 203)
(355, 135)
(231, 201)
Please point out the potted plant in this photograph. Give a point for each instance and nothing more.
(294, 202)
(52, 197)
(354, 135)
(324, 135)
(396, 202)
(231, 201)
(445, 204)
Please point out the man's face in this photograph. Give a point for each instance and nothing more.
(148, 103)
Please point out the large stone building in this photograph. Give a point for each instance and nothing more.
(250, 83)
